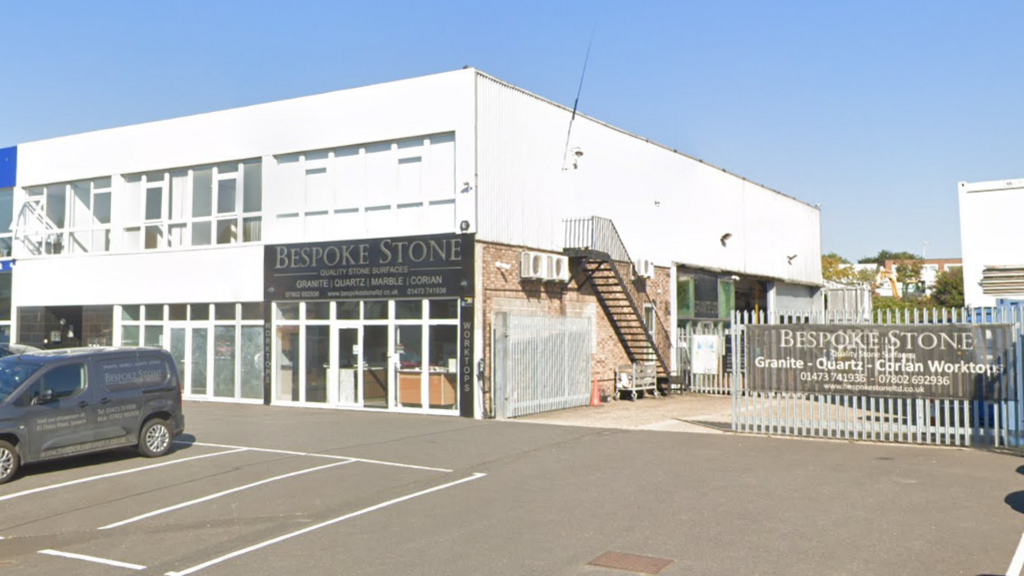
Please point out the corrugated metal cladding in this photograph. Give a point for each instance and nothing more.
(520, 188)
(667, 207)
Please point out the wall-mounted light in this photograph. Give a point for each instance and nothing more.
(464, 225)
(791, 258)
(725, 238)
(577, 153)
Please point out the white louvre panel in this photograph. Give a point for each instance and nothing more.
(1003, 281)
(558, 268)
(644, 268)
(533, 266)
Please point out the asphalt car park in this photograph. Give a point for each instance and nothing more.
(269, 490)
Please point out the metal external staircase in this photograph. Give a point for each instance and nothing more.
(596, 248)
(35, 231)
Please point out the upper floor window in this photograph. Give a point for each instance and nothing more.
(71, 217)
(198, 206)
(324, 191)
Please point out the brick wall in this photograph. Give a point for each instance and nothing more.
(503, 291)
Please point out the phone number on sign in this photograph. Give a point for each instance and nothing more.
(833, 377)
(427, 291)
(908, 379)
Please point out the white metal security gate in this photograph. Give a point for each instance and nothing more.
(988, 423)
(539, 363)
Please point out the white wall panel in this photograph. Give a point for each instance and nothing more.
(668, 208)
(427, 105)
(154, 277)
(990, 231)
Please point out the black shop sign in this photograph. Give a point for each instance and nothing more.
(438, 266)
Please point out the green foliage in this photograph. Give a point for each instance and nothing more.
(883, 303)
(908, 272)
(884, 255)
(866, 276)
(948, 291)
(835, 268)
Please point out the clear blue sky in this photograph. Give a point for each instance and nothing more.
(874, 109)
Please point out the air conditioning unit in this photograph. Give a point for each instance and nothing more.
(533, 266)
(644, 268)
(558, 268)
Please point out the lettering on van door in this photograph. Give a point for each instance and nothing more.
(107, 413)
(120, 396)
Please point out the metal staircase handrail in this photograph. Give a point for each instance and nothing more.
(597, 234)
(639, 300)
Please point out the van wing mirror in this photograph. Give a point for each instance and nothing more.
(45, 397)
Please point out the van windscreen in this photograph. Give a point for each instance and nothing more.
(13, 373)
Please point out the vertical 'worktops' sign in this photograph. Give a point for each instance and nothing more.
(935, 361)
(436, 266)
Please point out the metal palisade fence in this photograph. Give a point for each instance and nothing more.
(946, 377)
(540, 363)
(719, 382)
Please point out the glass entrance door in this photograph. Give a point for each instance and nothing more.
(376, 356)
(349, 355)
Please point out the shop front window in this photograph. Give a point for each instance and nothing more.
(317, 359)
(224, 362)
(286, 363)
(444, 370)
(409, 347)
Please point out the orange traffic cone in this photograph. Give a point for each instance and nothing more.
(595, 394)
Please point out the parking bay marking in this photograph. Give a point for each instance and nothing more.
(219, 494)
(1017, 563)
(120, 473)
(314, 454)
(93, 559)
(290, 535)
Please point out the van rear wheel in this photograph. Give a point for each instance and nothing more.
(9, 461)
(155, 438)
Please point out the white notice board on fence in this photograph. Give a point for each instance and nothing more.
(704, 354)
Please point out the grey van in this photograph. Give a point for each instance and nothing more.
(56, 403)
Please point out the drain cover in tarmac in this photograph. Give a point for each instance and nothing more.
(630, 562)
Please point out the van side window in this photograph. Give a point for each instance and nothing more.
(65, 381)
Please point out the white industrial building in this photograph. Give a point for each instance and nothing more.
(354, 249)
(991, 240)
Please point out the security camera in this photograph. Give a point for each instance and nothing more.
(577, 152)
(503, 265)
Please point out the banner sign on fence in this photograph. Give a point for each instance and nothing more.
(704, 357)
(920, 361)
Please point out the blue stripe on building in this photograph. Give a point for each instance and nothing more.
(8, 166)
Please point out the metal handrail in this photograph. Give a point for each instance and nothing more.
(597, 234)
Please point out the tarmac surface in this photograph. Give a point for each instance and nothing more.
(257, 490)
(696, 413)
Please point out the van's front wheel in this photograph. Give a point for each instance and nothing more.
(9, 461)
(155, 438)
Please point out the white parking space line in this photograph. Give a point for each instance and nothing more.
(219, 494)
(314, 454)
(1018, 560)
(255, 547)
(93, 559)
(112, 474)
